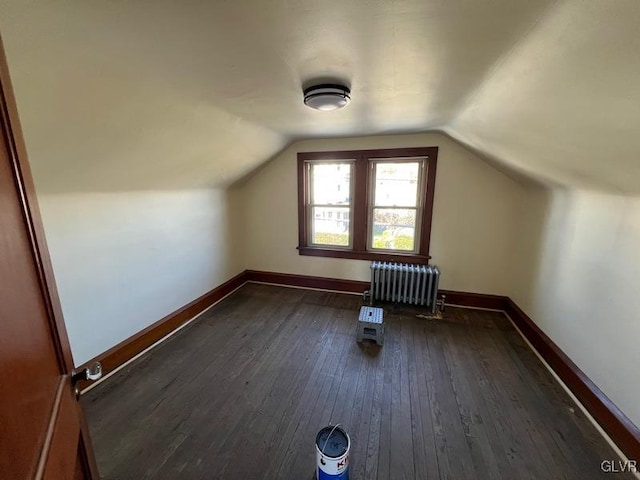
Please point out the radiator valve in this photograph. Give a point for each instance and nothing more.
(366, 296)
(440, 302)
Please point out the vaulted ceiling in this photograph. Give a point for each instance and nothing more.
(118, 95)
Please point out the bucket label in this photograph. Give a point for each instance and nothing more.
(332, 453)
(333, 466)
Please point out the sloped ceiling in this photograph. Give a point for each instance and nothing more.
(118, 95)
(563, 104)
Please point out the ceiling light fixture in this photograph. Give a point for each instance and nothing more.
(327, 96)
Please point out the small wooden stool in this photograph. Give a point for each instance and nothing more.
(370, 325)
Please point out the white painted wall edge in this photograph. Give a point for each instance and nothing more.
(154, 345)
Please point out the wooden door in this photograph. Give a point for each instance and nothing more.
(42, 430)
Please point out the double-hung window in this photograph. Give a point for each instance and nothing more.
(367, 204)
(330, 204)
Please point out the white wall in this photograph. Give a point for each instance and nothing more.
(579, 280)
(474, 220)
(125, 260)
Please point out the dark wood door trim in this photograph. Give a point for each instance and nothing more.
(64, 447)
(12, 132)
(64, 429)
(42, 461)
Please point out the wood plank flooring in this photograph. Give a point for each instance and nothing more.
(242, 392)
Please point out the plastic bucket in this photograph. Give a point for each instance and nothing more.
(332, 454)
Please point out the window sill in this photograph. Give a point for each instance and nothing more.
(364, 255)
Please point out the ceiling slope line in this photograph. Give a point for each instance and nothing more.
(501, 60)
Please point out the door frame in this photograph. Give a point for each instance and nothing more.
(11, 130)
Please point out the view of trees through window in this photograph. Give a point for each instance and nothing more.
(394, 206)
(366, 204)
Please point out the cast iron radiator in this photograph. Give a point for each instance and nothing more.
(404, 283)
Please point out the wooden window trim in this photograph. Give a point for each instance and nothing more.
(360, 198)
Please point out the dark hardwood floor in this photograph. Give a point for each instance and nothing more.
(242, 392)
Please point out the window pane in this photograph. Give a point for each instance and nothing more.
(396, 184)
(330, 226)
(394, 228)
(331, 183)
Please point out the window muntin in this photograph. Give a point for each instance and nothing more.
(397, 210)
(395, 204)
(330, 203)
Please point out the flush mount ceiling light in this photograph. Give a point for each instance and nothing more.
(327, 96)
